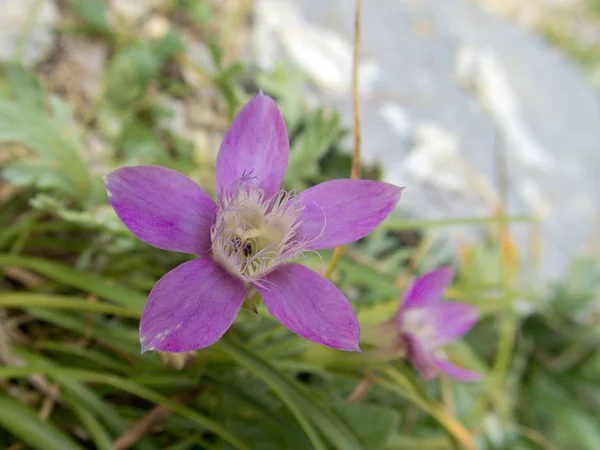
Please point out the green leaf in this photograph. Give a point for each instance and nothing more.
(93, 14)
(567, 422)
(35, 173)
(227, 82)
(412, 389)
(200, 11)
(132, 388)
(141, 145)
(309, 413)
(287, 85)
(87, 282)
(24, 86)
(255, 415)
(321, 130)
(80, 397)
(125, 339)
(28, 300)
(130, 72)
(53, 140)
(168, 46)
(96, 358)
(216, 52)
(100, 437)
(268, 436)
(373, 424)
(27, 427)
(184, 444)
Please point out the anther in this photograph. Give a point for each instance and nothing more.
(247, 249)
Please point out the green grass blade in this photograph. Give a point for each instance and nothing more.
(127, 386)
(75, 393)
(28, 300)
(105, 360)
(150, 395)
(309, 413)
(100, 437)
(87, 282)
(121, 338)
(395, 224)
(52, 139)
(406, 387)
(26, 426)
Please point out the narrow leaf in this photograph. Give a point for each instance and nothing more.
(87, 282)
(309, 413)
(26, 426)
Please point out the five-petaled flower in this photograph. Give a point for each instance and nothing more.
(424, 323)
(245, 238)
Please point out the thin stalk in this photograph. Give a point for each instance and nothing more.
(356, 158)
(26, 31)
(394, 224)
(405, 387)
(355, 170)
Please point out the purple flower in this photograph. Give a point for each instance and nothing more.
(244, 239)
(424, 323)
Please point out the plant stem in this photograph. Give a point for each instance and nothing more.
(356, 159)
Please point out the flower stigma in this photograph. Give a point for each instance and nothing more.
(253, 234)
(418, 323)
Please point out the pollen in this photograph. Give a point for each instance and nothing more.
(253, 234)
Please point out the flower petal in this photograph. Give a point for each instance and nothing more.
(338, 212)
(190, 308)
(162, 207)
(310, 306)
(452, 320)
(422, 359)
(256, 145)
(456, 372)
(427, 289)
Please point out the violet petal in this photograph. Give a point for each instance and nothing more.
(190, 307)
(422, 359)
(256, 145)
(338, 212)
(452, 320)
(311, 306)
(425, 290)
(456, 372)
(162, 208)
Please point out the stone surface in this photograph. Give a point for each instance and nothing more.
(573, 25)
(78, 68)
(446, 87)
(27, 27)
(133, 11)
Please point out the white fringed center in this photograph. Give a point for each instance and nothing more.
(253, 234)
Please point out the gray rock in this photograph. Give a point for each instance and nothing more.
(442, 81)
(27, 27)
(132, 11)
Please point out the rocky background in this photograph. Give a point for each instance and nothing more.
(460, 103)
(486, 110)
(470, 104)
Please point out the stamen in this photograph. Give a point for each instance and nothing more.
(247, 249)
(252, 234)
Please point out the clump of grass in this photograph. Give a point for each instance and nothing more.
(74, 281)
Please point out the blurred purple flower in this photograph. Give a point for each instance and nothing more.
(245, 238)
(424, 323)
